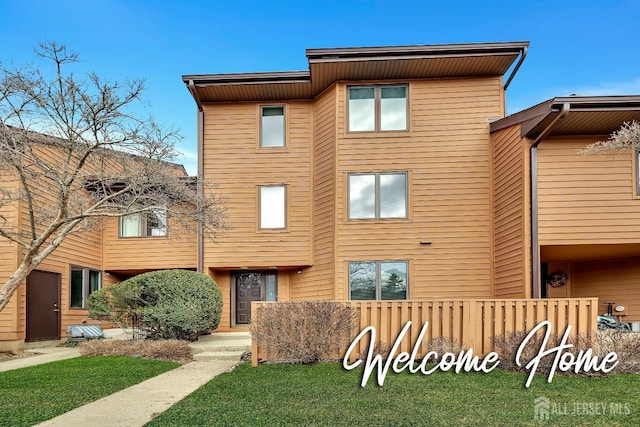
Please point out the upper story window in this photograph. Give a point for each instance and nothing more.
(377, 195)
(272, 129)
(83, 282)
(152, 223)
(369, 280)
(273, 202)
(377, 108)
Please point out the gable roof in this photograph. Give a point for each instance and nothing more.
(585, 115)
(361, 63)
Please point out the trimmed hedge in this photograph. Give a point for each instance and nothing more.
(167, 304)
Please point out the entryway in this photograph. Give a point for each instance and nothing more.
(43, 306)
(251, 286)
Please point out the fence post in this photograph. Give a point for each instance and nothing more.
(254, 344)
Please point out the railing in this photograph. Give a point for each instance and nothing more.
(470, 323)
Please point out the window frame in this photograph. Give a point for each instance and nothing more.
(261, 127)
(285, 207)
(86, 284)
(377, 110)
(144, 229)
(378, 278)
(377, 196)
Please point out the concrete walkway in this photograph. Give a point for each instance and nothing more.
(135, 406)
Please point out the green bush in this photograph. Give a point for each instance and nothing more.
(166, 304)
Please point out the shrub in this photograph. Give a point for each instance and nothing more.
(166, 350)
(303, 331)
(165, 304)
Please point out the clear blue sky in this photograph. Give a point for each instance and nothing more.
(590, 47)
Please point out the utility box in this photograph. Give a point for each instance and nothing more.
(635, 326)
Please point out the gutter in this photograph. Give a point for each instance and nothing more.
(523, 54)
(200, 182)
(535, 241)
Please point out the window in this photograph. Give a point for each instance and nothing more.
(377, 108)
(84, 281)
(371, 280)
(272, 206)
(152, 223)
(377, 195)
(272, 126)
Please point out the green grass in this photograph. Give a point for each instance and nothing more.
(38, 393)
(327, 395)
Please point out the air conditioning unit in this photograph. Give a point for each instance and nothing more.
(635, 326)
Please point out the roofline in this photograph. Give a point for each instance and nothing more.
(203, 80)
(539, 112)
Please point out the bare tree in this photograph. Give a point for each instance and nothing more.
(73, 151)
(628, 136)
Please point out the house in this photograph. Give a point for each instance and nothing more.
(393, 173)
(55, 294)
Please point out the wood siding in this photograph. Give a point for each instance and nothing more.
(468, 323)
(176, 250)
(585, 199)
(318, 281)
(447, 156)
(9, 214)
(511, 220)
(236, 166)
(616, 280)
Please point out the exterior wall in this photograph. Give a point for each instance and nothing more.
(447, 155)
(616, 280)
(317, 282)
(9, 329)
(511, 221)
(176, 250)
(237, 166)
(585, 199)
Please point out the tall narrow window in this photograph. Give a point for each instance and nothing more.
(272, 206)
(377, 195)
(377, 108)
(272, 129)
(82, 283)
(386, 280)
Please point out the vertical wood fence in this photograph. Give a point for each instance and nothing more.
(470, 323)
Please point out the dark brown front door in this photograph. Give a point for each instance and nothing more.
(43, 306)
(252, 286)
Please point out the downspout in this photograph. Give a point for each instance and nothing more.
(535, 242)
(515, 70)
(200, 182)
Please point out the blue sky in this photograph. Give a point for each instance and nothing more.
(585, 47)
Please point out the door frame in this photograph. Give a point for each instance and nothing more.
(234, 292)
(58, 298)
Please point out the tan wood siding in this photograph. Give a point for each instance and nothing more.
(176, 250)
(317, 282)
(446, 153)
(9, 329)
(236, 166)
(509, 220)
(585, 199)
(616, 280)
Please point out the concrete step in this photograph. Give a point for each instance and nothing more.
(213, 348)
(217, 355)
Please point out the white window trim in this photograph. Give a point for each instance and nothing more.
(285, 208)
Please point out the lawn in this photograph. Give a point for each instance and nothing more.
(38, 393)
(327, 395)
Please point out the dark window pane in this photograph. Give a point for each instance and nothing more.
(362, 280)
(94, 281)
(393, 280)
(77, 289)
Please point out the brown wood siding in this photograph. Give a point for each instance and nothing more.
(317, 282)
(9, 329)
(176, 250)
(446, 153)
(616, 280)
(236, 166)
(509, 222)
(585, 199)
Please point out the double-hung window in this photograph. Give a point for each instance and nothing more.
(371, 280)
(377, 195)
(83, 282)
(272, 202)
(152, 223)
(272, 126)
(378, 108)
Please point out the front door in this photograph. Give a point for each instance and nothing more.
(43, 306)
(252, 286)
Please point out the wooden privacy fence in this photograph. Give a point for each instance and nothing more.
(470, 323)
